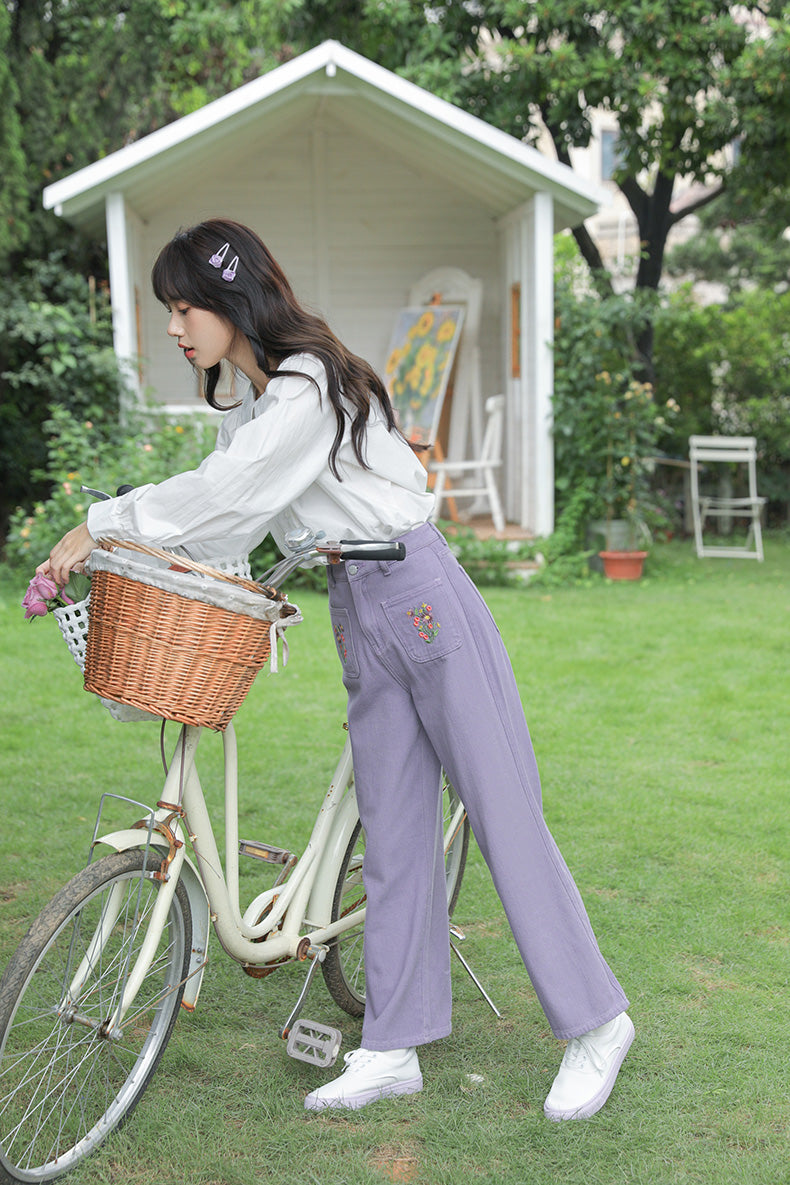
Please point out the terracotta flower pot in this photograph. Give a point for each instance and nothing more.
(623, 565)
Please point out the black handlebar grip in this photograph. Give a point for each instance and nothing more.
(369, 549)
(123, 490)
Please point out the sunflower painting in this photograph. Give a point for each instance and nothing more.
(419, 364)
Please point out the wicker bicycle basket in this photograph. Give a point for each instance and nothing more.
(183, 642)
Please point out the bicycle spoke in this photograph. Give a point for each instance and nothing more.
(65, 1082)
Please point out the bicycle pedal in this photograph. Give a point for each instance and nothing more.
(309, 1041)
(263, 851)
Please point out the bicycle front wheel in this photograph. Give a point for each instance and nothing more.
(67, 1077)
(344, 967)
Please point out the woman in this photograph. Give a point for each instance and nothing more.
(313, 443)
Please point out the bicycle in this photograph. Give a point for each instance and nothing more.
(89, 1000)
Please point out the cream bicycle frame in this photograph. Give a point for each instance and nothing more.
(298, 917)
(290, 920)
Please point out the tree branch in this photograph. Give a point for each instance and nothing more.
(637, 199)
(698, 204)
(599, 273)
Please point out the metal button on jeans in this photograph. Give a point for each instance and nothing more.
(352, 569)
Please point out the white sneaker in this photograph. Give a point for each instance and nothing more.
(370, 1074)
(588, 1071)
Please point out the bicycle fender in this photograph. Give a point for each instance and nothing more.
(122, 841)
(319, 907)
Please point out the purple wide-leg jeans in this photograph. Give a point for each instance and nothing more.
(430, 685)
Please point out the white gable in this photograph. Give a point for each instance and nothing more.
(491, 165)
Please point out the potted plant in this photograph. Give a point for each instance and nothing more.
(634, 424)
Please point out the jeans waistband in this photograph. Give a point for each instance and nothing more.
(426, 535)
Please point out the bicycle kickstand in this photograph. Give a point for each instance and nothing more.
(459, 934)
(309, 1041)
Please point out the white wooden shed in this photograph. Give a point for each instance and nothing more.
(360, 183)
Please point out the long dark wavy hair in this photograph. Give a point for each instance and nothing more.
(260, 303)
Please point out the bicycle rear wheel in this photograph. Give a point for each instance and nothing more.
(66, 1081)
(344, 968)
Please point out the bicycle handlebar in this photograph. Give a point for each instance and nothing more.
(364, 549)
(100, 494)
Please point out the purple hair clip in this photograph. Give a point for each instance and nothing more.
(218, 258)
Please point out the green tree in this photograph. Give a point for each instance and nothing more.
(211, 47)
(80, 79)
(55, 349)
(87, 77)
(737, 247)
(81, 70)
(12, 159)
(684, 79)
(760, 86)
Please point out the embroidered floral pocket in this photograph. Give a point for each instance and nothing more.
(425, 624)
(422, 620)
(341, 628)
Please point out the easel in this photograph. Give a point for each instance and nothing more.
(435, 450)
(462, 409)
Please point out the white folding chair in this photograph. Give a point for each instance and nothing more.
(484, 467)
(705, 454)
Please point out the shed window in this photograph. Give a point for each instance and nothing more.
(611, 155)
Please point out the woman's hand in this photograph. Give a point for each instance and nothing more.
(68, 556)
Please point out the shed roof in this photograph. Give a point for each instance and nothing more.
(497, 169)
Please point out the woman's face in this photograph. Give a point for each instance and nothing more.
(205, 337)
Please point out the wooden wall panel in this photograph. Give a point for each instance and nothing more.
(353, 223)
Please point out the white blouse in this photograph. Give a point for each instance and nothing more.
(270, 472)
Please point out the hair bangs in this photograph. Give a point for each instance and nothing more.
(175, 277)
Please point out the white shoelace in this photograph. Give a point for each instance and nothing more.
(358, 1058)
(578, 1053)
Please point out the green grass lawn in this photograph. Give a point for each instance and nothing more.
(659, 713)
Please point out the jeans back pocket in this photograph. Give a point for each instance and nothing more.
(425, 622)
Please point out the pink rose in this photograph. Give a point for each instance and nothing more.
(40, 590)
(43, 594)
(34, 608)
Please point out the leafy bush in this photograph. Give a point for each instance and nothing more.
(56, 350)
(687, 354)
(606, 421)
(728, 367)
(753, 384)
(718, 369)
(81, 451)
(539, 563)
(491, 562)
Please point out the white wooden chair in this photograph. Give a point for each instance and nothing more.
(484, 467)
(705, 452)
